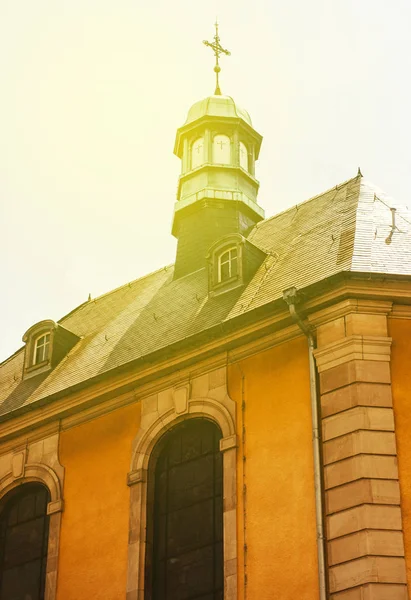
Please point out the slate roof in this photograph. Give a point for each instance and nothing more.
(343, 229)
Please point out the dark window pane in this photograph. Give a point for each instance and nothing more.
(190, 482)
(186, 561)
(218, 559)
(218, 518)
(23, 551)
(174, 452)
(41, 502)
(190, 574)
(27, 508)
(190, 528)
(22, 583)
(24, 542)
(14, 511)
(191, 444)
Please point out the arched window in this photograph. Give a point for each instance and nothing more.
(227, 267)
(197, 153)
(221, 150)
(24, 528)
(242, 149)
(184, 556)
(41, 349)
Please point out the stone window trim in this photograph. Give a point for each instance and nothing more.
(229, 242)
(40, 473)
(154, 425)
(32, 335)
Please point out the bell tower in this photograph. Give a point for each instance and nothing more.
(217, 188)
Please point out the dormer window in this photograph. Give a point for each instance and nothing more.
(47, 343)
(227, 265)
(41, 349)
(232, 262)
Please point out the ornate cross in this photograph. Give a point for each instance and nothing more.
(218, 50)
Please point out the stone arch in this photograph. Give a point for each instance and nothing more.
(198, 407)
(157, 418)
(33, 473)
(40, 473)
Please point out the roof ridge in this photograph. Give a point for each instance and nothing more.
(124, 285)
(335, 187)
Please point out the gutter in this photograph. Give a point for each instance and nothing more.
(292, 298)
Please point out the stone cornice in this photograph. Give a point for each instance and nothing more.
(351, 305)
(96, 398)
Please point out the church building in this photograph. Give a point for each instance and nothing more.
(232, 427)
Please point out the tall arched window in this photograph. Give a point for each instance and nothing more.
(24, 528)
(221, 150)
(184, 557)
(197, 153)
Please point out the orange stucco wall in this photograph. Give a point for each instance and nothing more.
(94, 532)
(281, 557)
(279, 511)
(400, 331)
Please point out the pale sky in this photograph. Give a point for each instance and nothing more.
(92, 92)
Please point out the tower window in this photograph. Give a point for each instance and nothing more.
(41, 349)
(243, 156)
(221, 150)
(23, 543)
(227, 265)
(197, 153)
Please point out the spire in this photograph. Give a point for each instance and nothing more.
(218, 49)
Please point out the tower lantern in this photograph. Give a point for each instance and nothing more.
(217, 189)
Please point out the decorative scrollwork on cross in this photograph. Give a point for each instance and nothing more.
(218, 50)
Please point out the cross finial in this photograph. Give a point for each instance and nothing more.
(218, 50)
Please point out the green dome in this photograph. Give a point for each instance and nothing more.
(217, 106)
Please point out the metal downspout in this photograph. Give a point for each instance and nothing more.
(291, 298)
